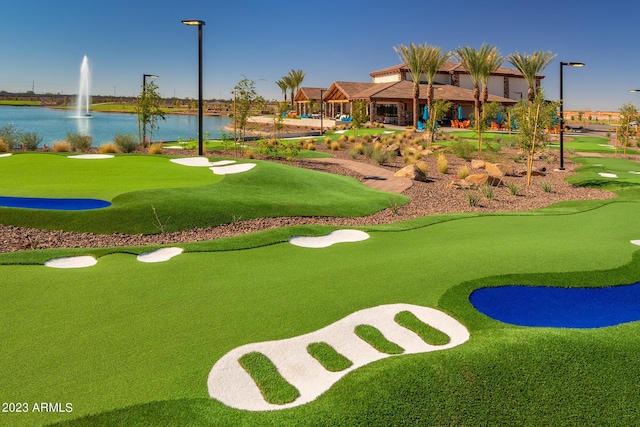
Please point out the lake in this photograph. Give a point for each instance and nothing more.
(54, 125)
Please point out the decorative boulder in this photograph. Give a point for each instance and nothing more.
(394, 147)
(495, 181)
(500, 170)
(477, 180)
(412, 172)
(477, 164)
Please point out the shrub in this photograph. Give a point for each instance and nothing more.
(367, 138)
(327, 141)
(472, 199)
(462, 149)
(62, 147)
(30, 141)
(443, 164)
(352, 138)
(463, 172)
(155, 148)
(127, 143)
(367, 150)
(343, 138)
(358, 147)
(487, 191)
(422, 166)
(249, 154)
(310, 146)
(79, 142)
(379, 156)
(4, 147)
(546, 186)
(513, 189)
(108, 147)
(335, 146)
(10, 135)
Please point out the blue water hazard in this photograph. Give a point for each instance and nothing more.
(52, 203)
(559, 307)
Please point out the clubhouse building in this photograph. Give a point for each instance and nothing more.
(389, 96)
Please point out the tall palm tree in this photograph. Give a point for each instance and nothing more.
(295, 78)
(474, 64)
(283, 85)
(434, 59)
(530, 66)
(413, 57)
(492, 60)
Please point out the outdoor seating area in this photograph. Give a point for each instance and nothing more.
(462, 124)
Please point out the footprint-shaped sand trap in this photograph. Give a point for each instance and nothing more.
(91, 156)
(608, 175)
(201, 162)
(337, 236)
(72, 262)
(226, 170)
(159, 255)
(232, 385)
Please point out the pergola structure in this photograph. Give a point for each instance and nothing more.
(306, 98)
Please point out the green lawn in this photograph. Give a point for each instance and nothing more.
(129, 343)
(19, 103)
(186, 196)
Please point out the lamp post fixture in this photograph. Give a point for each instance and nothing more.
(562, 64)
(199, 24)
(144, 92)
(322, 91)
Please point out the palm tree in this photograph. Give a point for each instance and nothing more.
(474, 64)
(295, 78)
(492, 60)
(414, 59)
(530, 66)
(434, 59)
(283, 85)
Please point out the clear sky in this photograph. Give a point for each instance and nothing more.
(42, 42)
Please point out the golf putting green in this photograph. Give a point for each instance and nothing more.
(153, 194)
(134, 343)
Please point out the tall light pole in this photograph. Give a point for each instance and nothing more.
(199, 24)
(144, 92)
(321, 111)
(562, 64)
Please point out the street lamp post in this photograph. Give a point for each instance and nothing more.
(321, 111)
(199, 24)
(562, 64)
(144, 92)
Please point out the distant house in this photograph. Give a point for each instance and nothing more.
(389, 96)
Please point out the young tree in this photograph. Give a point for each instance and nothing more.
(413, 57)
(438, 110)
(628, 114)
(533, 119)
(247, 99)
(359, 116)
(149, 111)
(530, 66)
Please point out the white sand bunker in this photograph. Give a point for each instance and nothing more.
(72, 262)
(636, 242)
(5, 154)
(200, 162)
(232, 385)
(92, 156)
(226, 170)
(159, 255)
(337, 236)
(607, 175)
(635, 172)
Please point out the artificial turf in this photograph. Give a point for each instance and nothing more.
(132, 344)
(183, 197)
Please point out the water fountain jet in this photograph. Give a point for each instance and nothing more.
(82, 107)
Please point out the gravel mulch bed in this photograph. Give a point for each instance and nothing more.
(427, 198)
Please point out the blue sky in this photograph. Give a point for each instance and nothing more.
(42, 43)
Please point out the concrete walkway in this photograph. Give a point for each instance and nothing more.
(375, 177)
